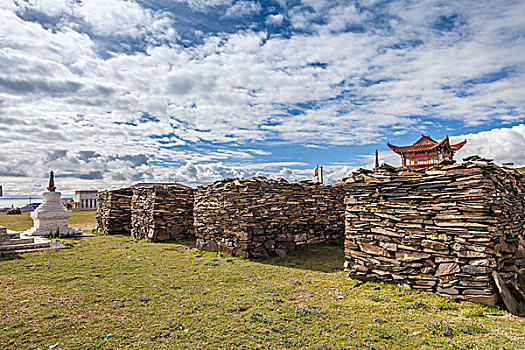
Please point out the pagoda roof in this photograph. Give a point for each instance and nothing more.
(458, 145)
(426, 143)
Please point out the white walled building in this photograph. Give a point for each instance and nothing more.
(87, 199)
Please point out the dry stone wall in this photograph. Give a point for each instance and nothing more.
(259, 217)
(162, 213)
(452, 229)
(114, 211)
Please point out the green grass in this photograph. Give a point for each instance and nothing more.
(24, 221)
(521, 170)
(110, 292)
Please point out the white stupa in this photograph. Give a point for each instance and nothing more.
(51, 216)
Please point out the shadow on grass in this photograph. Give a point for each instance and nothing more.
(179, 245)
(9, 256)
(327, 258)
(186, 241)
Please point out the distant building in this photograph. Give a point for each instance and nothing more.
(86, 199)
(30, 206)
(69, 203)
(426, 152)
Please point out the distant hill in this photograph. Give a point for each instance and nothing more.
(521, 170)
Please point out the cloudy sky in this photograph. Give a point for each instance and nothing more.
(112, 92)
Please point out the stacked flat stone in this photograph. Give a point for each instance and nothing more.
(258, 217)
(13, 243)
(162, 213)
(449, 229)
(114, 211)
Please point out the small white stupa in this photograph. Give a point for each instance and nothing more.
(51, 216)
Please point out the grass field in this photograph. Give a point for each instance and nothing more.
(522, 170)
(110, 292)
(24, 222)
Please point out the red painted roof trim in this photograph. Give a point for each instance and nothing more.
(426, 147)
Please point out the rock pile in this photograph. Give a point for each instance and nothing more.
(259, 217)
(114, 211)
(162, 213)
(451, 228)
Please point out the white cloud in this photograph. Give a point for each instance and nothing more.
(345, 87)
(7, 5)
(243, 8)
(272, 166)
(341, 17)
(501, 144)
(203, 5)
(121, 18)
(275, 19)
(48, 7)
(240, 76)
(290, 175)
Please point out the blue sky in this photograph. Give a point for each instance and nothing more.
(112, 92)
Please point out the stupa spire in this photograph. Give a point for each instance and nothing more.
(51, 217)
(51, 187)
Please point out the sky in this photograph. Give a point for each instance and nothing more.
(108, 93)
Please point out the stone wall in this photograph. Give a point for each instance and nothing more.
(452, 229)
(162, 213)
(114, 211)
(259, 217)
